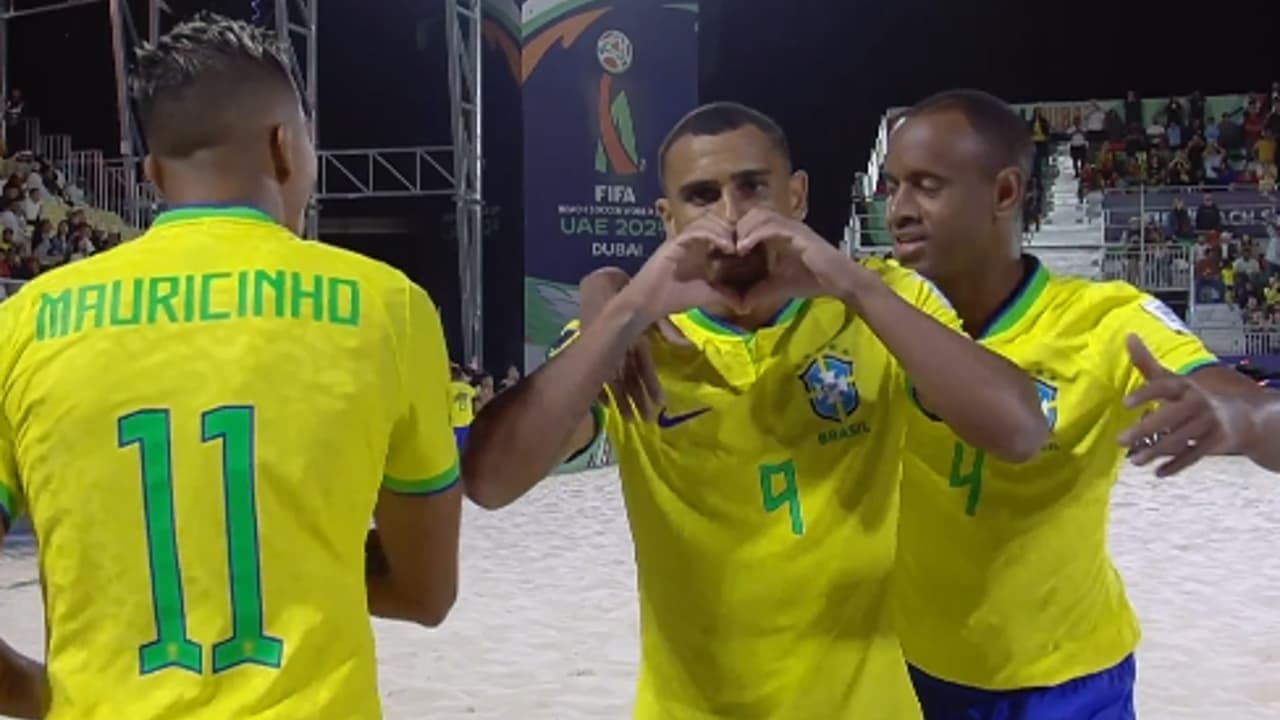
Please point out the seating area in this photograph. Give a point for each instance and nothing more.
(58, 204)
(1175, 195)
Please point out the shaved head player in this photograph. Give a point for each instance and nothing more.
(203, 508)
(763, 499)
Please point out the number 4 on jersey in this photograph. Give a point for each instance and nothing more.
(173, 648)
(971, 479)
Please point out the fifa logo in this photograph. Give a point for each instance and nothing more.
(616, 152)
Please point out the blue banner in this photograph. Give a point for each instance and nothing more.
(603, 83)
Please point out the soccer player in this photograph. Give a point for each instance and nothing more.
(202, 422)
(1006, 601)
(763, 500)
(462, 407)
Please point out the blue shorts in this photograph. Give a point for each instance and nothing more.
(460, 436)
(1106, 695)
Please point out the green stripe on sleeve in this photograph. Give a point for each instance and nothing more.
(426, 486)
(1195, 365)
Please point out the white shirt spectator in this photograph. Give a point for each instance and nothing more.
(1247, 266)
(1096, 120)
(9, 219)
(31, 206)
(1273, 243)
(35, 182)
(1077, 138)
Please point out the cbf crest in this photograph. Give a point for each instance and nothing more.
(1048, 402)
(828, 380)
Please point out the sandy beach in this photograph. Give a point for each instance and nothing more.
(545, 627)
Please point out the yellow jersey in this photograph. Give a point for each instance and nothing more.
(462, 405)
(1003, 579)
(198, 423)
(763, 506)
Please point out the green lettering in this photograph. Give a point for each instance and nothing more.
(207, 312)
(135, 312)
(263, 281)
(188, 298)
(242, 293)
(298, 296)
(90, 299)
(161, 292)
(344, 301)
(53, 318)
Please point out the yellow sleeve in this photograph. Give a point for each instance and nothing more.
(1125, 310)
(599, 411)
(924, 296)
(12, 502)
(423, 457)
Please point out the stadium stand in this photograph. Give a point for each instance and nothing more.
(60, 204)
(1175, 195)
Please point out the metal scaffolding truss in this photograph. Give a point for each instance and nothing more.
(386, 172)
(426, 171)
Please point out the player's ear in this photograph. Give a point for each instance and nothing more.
(668, 217)
(798, 195)
(1009, 188)
(151, 169)
(281, 145)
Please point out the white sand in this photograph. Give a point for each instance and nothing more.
(546, 625)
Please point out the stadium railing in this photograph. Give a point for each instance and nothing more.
(1261, 342)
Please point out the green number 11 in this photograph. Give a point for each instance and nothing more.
(172, 647)
(788, 496)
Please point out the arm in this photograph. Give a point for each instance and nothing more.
(412, 570)
(985, 399)
(548, 416)
(1250, 415)
(24, 689)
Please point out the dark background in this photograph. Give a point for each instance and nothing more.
(825, 69)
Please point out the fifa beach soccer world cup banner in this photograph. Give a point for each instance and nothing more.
(603, 83)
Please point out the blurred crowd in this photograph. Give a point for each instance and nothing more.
(44, 218)
(1181, 144)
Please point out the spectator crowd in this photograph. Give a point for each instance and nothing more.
(44, 218)
(1181, 144)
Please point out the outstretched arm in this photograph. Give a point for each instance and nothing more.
(986, 400)
(524, 433)
(1215, 411)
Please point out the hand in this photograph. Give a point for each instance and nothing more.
(634, 387)
(1188, 425)
(801, 263)
(677, 277)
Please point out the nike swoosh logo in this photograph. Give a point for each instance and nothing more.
(666, 422)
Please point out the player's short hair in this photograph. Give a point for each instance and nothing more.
(718, 118)
(194, 85)
(1006, 134)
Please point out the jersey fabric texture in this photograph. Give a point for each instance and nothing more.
(198, 423)
(1003, 579)
(763, 504)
